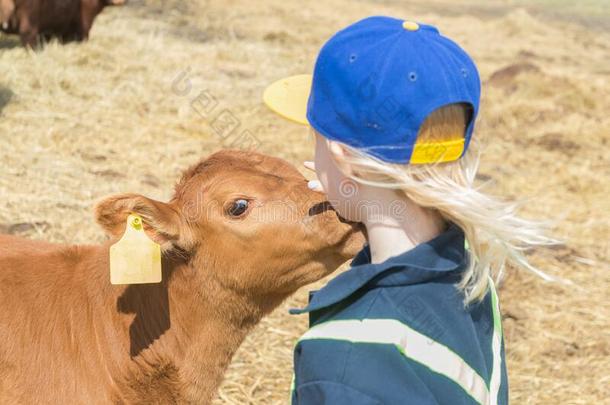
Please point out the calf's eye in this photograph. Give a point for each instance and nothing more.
(237, 207)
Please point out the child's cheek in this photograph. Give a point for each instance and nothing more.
(322, 162)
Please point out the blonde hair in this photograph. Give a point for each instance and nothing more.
(494, 232)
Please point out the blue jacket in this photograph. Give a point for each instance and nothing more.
(398, 333)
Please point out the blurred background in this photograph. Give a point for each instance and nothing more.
(161, 84)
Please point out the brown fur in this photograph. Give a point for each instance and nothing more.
(66, 20)
(68, 335)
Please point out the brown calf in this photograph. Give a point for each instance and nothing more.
(66, 20)
(242, 233)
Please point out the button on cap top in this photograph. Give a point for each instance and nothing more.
(410, 25)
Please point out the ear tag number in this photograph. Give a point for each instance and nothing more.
(135, 258)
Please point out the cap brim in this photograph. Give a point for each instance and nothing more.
(288, 97)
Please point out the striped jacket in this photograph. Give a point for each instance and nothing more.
(398, 333)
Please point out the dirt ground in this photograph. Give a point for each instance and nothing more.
(82, 121)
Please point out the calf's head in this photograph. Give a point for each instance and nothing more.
(246, 221)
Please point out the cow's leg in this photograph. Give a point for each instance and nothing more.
(7, 7)
(28, 31)
(70, 33)
(88, 13)
(84, 29)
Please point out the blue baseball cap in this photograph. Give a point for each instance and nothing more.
(374, 84)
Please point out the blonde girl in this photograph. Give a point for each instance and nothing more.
(416, 319)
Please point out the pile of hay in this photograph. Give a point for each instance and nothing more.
(81, 121)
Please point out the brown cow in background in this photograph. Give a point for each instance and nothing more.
(66, 20)
(242, 232)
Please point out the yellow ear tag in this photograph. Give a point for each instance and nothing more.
(135, 258)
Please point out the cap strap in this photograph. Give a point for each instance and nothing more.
(435, 152)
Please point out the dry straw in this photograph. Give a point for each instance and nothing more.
(78, 122)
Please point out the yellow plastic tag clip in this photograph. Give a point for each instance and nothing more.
(135, 258)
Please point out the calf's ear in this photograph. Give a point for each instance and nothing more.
(161, 220)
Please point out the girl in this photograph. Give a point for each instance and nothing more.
(415, 320)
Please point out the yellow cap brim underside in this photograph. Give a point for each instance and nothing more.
(288, 97)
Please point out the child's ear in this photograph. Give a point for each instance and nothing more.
(337, 149)
(161, 221)
(340, 153)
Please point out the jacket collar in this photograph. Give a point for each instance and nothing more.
(426, 261)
